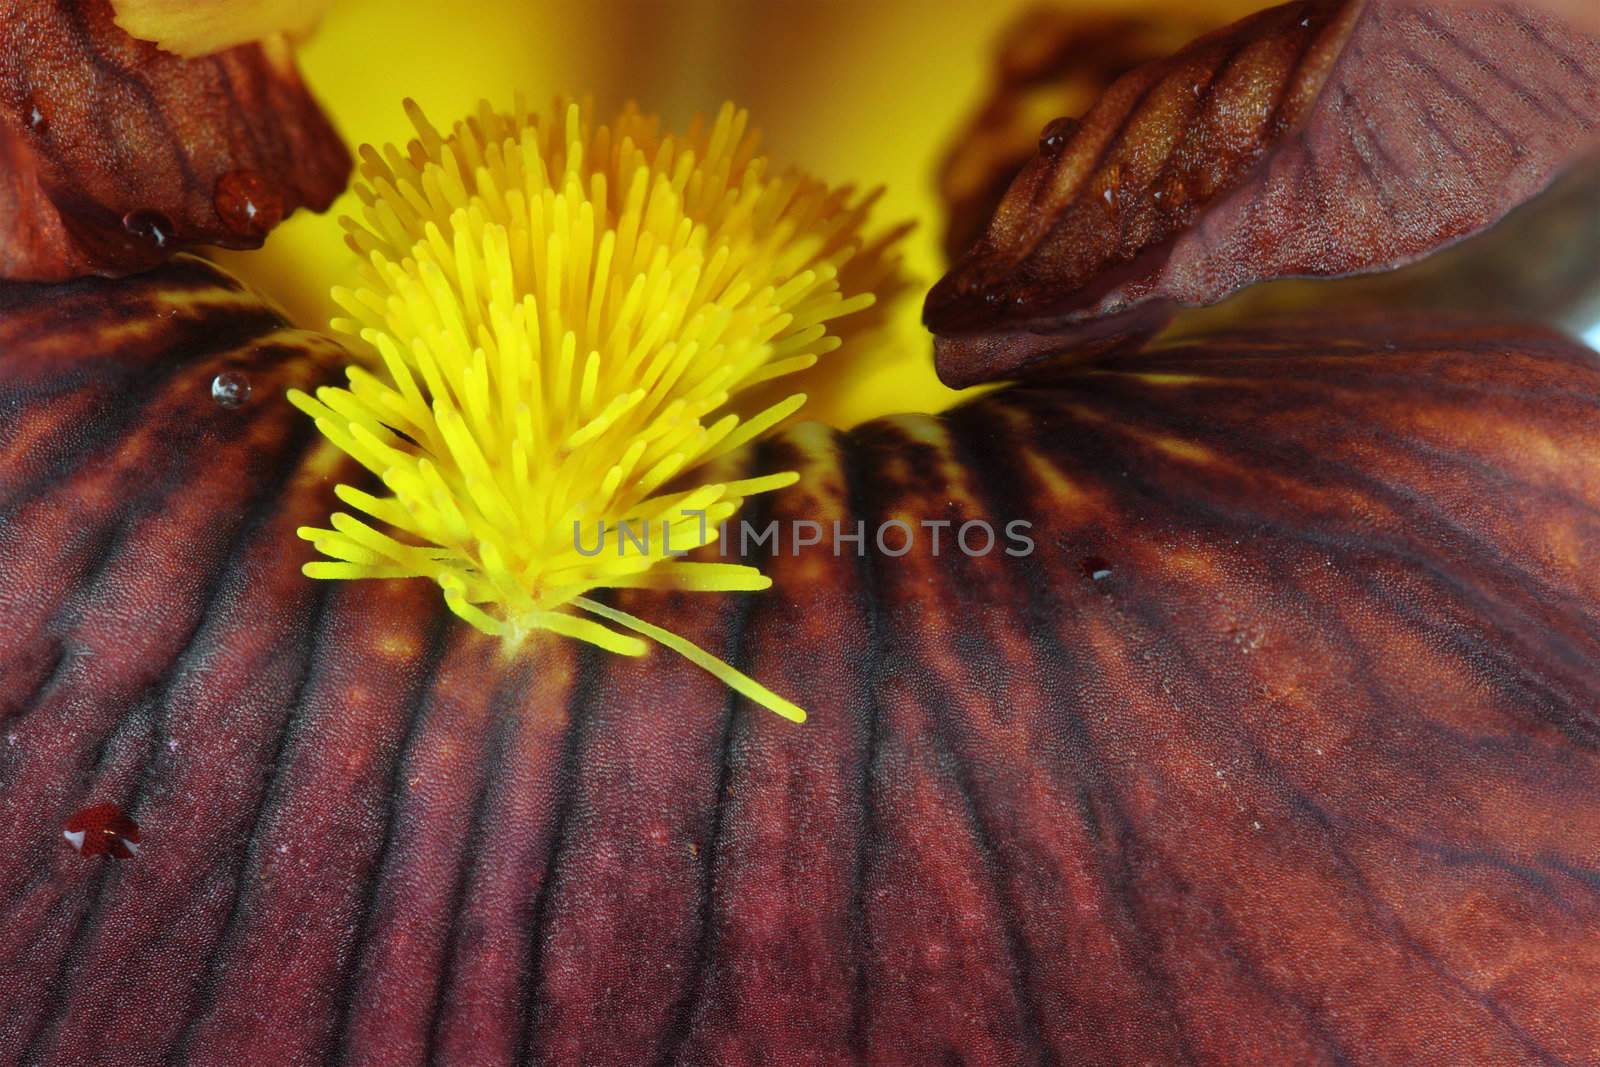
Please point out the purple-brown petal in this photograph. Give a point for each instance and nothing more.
(1280, 747)
(114, 154)
(1324, 137)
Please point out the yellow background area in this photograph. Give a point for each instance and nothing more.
(867, 93)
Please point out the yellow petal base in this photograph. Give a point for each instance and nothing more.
(199, 27)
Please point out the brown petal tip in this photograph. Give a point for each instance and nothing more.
(1315, 139)
(115, 154)
(1048, 62)
(978, 356)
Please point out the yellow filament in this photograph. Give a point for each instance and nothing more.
(560, 320)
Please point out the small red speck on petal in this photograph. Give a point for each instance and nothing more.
(103, 830)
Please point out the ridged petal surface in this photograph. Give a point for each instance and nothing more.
(1279, 748)
(1321, 137)
(116, 154)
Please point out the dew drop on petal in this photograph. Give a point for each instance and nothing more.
(149, 227)
(103, 830)
(230, 389)
(1095, 568)
(1056, 134)
(246, 204)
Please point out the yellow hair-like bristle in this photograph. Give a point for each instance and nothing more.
(559, 317)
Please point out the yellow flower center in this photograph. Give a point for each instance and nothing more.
(562, 320)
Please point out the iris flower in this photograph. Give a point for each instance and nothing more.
(406, 541)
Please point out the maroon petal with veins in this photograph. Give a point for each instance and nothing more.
(1279, 747)
(1323, 137)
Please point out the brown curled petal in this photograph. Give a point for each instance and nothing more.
(114, 154)
(1050, 66)
(1535, 265)
(1318, 138)
(1280, 747)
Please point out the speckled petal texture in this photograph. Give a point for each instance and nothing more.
(116, 154)
(1320, 138)
(1310, 776)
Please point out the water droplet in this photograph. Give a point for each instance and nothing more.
(1109, 182)
(151, 227)
(1095, 568)
(1056, 134)
(36, 119)
(230, 389)
(246, 204)
(103, 830)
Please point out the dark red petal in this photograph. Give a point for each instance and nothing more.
(115, 154)
(1324, 137)
(1310, 776)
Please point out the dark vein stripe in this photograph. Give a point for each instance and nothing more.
(858, 507)
(1529, 95)
(953, 739)
(1374, 141)
(507, 705)
(141, 386)
(1299, 800)
(420, 707)
(1195, 507)
(220, 581)
(319, 644)
(111, 539)
(1422, 515)
(585, 685)
(735, 719)
(1578, 69)
(107, 549)
(1464, 98)
(997, 479)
